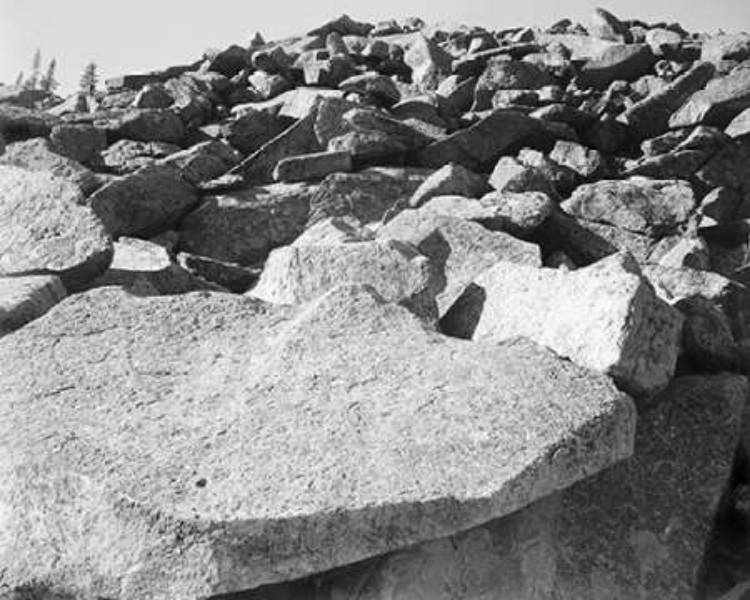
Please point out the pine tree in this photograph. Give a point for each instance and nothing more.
(49, 83)
(89, 79)
(32, 83)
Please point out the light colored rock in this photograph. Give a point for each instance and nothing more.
(44, 229)
(637, 204)
(333, 231)
(606, 317)
(521, 213)
(23, 299)
(396, 271)
(449, 180)
(195, 445)
(203, 162)
(312, 166)
(460, 249)
(637, 530)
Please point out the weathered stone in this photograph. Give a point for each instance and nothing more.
(626, 62)
(235, 499)
(726, 47)
(375, 88)
(650, 116)
(146, 126)
(689, 252)
(328, 120)
(450, 180)
(229, 61)
(587, 162)
(335, 231)
(300, 138)
(37, 155)
(367, 195)
(299, 273)
(269, 85)
(242, 227)
(720, 102)
(203, 162)
(603, 24)
(301, 102)
(145, 203)
(229, 276)
(606, 317)
(127, 156)
(145, 268)
(460, 249)
(482, 143)
(82, 143)
(430, 64)
(504, 74)
(707, 340)
(740, 125)
(250, 131)
(371, 147)
(153, 95)
(639, 205)
(519, 213)
(44, 229)
(23, 299)
(343, 25)
(312, 166)
(510, 175)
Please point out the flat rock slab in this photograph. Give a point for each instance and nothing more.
(185, 446)
(637, 530)
(23, 299)
(606, 317)
(44, 229)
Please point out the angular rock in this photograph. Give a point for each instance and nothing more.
(367, 195)
(235, 499)
(520, 213)
(18, 123)
(602, 538)
(374, 88)
(37, 155)
(720, 102)
(510, 175)
(606, 317)
(242, 227)
(145, 203)
(312, 166)
(127, 156)
(147, 125)
(203, 162)
(603, 24)
(80, 142)
(23, 299)
(300, 273)
(460, 249)
(430, 64)
(587, 162)
(450, 180)
(639, 205)
(44, 229)
(145, 268)
(726, 47)
(153, 95)
(343, 25)
(482, 143)
(503, 74)
(229, 276)
(626, 62)
(740, 125)
(250, 131)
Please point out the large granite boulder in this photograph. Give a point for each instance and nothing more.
(721, 100)
(606, 317)
(44, 229)
(194, 445)
(145, 203)
(242, 227)
(637, 530)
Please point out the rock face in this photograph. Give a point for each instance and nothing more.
(634, 531)
(147, 202)
(606, 317)
(238, 498)
(23, 299)
(300, 273)
(44, 229)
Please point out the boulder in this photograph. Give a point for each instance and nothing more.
(44, 229)
(299, 273)
(37, 155)
(461, 250)
(625, 62)
(504, 74)
(639, 205)
(637, 530)
(145, 125)
(740, 125)
(343, 25)
(251, 130)
(723, 47)
(374, 88)
(203, 162)
(145, 203)
(228, 276)
(606, 317)
(127, 156)
(519, 213)
(18, 123)
(512, 176)
(243, 226)
(202, 444)
(603, 24)
(312, 166)
(23, 299)
(80, 142)
(720, 102)
(587, 162)
(450, 180)
(430, 64)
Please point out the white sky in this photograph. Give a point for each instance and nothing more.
(139, 35)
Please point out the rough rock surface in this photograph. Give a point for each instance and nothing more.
(259, 479)
(23, 299)
(44, 229)
(606, 317)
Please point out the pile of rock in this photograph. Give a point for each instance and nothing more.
(383, 311)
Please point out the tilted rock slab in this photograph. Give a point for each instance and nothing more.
(301, 272)
(637, 530)
(606, 317)
(184, 446)
(43, 229)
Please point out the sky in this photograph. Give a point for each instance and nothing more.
(128, 36)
